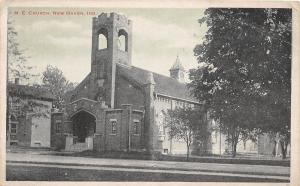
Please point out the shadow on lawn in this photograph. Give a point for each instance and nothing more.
(162, 157)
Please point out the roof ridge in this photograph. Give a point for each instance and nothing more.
(159, 75)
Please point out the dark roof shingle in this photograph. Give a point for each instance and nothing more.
(163, 84)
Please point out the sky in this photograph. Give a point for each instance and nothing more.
(64, 41)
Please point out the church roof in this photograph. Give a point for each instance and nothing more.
(29, 91)
(177, 65)
(163, 84)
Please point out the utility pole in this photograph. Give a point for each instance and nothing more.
(220, 144)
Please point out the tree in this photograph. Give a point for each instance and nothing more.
(55, 82)
(16, 59)
(17, 68)
(244, 77)
(185, 124)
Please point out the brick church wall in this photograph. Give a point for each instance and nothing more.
(127, 93)
(57, 131)
(136, 130)
(114, 140)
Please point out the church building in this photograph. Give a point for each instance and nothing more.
(118, 107)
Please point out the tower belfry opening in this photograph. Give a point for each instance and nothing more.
(102, 42)
(123, 40)
(102, 39)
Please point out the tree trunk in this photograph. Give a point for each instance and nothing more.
(233, 145)
(274, 149)
(283, 149)
(188, 152)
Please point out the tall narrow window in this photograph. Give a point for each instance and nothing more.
(102, 42)
(114, 127)
(136, 127)
(13, 130)
(58, 128)
(123, 40)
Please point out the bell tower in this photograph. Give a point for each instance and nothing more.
(111, 44)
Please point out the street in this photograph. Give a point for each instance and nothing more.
(33, 167)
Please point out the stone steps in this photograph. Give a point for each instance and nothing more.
(78, 147)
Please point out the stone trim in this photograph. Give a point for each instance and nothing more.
(112, 110)
(180, 99)
(82, 99)
(138, 111)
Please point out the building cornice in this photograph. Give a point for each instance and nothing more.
(179, 99)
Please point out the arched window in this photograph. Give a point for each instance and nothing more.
(102, 42)
(102, 39)
(123, 40)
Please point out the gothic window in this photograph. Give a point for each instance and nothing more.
(102, 39)
(123, 40)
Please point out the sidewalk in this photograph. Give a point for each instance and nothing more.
(147, 164)
(226, 159)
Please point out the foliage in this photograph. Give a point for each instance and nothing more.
(245, 72)
(55, 82)
(185, 124)
(17, 60)
(17, 65)
(21, 106)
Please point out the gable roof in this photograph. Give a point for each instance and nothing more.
(29, 91)
(164, 85)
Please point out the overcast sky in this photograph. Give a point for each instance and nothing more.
(65, 41)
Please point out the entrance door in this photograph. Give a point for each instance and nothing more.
(84, 125)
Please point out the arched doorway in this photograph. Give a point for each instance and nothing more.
(84, 125)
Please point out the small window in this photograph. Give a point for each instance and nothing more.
(58, 128)
(136, 127)
(13, 129)
(166, 151)
(114, 127)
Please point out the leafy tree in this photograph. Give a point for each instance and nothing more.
(17, 60)
(185, 124)
(244, 77)
(17, 68)
(55, 82)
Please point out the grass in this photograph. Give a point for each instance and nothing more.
(161, 157)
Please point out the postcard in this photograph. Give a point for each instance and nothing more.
(150, 93)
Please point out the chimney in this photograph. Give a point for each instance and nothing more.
(17, 81)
